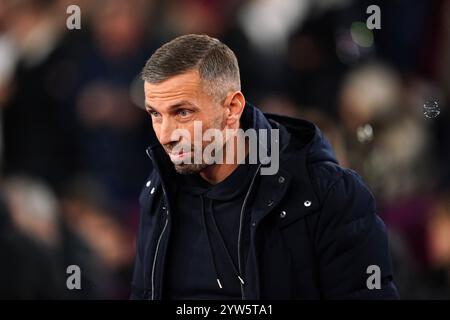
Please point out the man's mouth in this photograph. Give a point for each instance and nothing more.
(180, 156)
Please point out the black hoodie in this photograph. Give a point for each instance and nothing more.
(203, 255)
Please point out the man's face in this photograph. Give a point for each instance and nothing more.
(175, 104)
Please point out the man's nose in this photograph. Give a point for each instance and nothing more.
(166, 130)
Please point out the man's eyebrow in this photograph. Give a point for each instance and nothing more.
(174, 106)
(147, 106)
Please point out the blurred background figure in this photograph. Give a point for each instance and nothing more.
(90, 215)
(111, 131)
(79, 230)
(28, 270)
(73, 133)
(34, 209)
(437, 281)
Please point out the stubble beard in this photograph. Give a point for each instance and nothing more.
(193, 168)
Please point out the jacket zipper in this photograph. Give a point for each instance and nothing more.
(154, 259)
(240, 232)
(157, 244)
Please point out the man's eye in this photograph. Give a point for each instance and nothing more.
(154, 113)
(184, 113)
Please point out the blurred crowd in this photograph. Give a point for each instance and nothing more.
(73, 132)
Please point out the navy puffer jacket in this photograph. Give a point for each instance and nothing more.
(313, 228)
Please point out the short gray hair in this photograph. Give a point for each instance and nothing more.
(215, 62)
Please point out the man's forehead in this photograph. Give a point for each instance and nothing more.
(186, 87)
(185, 82)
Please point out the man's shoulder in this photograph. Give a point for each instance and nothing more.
(329, 177)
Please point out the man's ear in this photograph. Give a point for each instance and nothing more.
(234, 103)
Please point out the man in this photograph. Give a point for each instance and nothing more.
(226, 229)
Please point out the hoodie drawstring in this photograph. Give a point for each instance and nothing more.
(221, 241)
(209, 241)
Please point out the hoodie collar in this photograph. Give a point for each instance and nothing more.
(230, 188)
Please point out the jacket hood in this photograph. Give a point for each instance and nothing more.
(303, 136)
